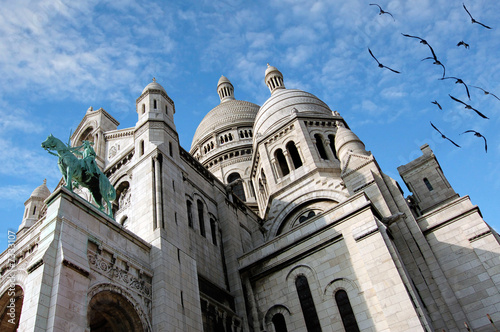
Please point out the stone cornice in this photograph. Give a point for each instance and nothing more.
(118, 133)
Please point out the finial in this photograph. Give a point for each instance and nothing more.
(154, 80)
(45, 181)
(268, 64)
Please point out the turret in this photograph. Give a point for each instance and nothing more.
(155, 104)
(33, 206)
(347, 142)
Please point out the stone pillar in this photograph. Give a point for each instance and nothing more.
(158, 191)
(253, 305)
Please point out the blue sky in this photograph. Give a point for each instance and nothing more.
(61, 57)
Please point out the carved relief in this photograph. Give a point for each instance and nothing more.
(124, 200)
(112, 152)
(117, 274)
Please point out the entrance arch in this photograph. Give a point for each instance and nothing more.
(109, 311)
(11, 303)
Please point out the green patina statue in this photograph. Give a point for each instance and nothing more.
(82, 171)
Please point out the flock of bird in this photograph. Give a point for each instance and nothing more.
(444, 77)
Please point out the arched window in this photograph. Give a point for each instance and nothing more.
(154, 103)
(307, 304)
(294, 154)
(34, 210)
(166, 109)
(190, 213)
(306, 216)
(143, 108)
(332, 145)
(124, 221)
(141, 148)
(201, 218)
(213, 229)
(238, 189)
(428, 184)
(280, 158)
(320, 146)
(346, 313)
(279, 323)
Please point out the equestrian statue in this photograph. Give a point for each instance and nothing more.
(82, 171)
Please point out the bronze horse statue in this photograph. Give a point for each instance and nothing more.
(84, 172)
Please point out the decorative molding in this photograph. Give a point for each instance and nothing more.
(366, 234)
(363, 186)
(480, 236)
(347, 172)
(76, 268)
(119, 134)
(35, 266)
(100, 265)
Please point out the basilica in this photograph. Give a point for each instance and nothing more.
(276, 219)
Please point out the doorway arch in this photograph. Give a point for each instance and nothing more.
(11, 303)
(110, 311)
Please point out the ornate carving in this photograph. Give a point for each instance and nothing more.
(124, 200)
(112, 152)
(102, 266)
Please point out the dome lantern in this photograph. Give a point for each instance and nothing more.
(274, 79)
(225, 89)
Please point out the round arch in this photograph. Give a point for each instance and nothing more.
(276, 309)
(317, 195)
(87, 134)
(112, 309)
(11, 304)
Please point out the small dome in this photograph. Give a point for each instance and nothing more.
(223, 79)
(282, 104)
(41, 191)
(153, 86)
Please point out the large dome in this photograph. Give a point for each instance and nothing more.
(284, 104)
(227, 114)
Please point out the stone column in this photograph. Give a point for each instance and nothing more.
(158, 191)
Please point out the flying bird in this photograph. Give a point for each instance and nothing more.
(382, 11)
(423, 41)
(381, 65)
(433, 126)
(436, 62)
(473, 20)
(458, 81)
(460, 43)
(485, 92)
(435, 102)
(478, 135)
(469, 107)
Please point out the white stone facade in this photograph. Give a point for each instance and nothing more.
(277, 219)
